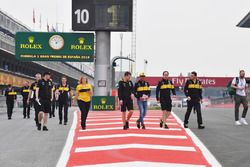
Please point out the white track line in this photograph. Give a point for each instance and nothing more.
(206, 153)
(131, 135)
(119, 128)
(142, 164)
(135, 146)
(119, 116)
(118, 123)
(64, 157)
(119, 119)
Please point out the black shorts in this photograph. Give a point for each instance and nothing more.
(45, 106)
(166, 104)
(127, 105)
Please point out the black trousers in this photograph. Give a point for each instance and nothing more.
(84, 107)
(53, 108)
(10, 106)
(63, 105)
(26, 109)
(36, 107)
(197, 106)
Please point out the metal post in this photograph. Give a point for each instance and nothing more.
(121, 36)
(102, 64)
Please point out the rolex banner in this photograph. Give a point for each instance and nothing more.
(43, 46)
(103, 103)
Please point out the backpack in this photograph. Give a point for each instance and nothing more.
(231, 90)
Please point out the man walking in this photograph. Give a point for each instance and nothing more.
(25, 93)
(10, 94)
(193, 92)
(32, 96)
(240, 84)
(125, 95)
(163, 95)
(64, 91)
(142, 93)
(44, 96)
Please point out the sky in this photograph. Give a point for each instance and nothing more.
(175, 35)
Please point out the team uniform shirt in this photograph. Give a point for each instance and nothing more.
(142, 88)
(45, 88)
(242, 83)
(10, 94)
(63, 92)
(164, 89)
(125, 90)
(83, 92)
(33, 89)
(193, 89)
(25, 92)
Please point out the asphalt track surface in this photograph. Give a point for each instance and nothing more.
(22, 145)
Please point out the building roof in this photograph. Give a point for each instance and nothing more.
(245, 22)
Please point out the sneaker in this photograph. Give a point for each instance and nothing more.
(45, 128)
(237, 123)
(60, 122)
(83, 128)
(201, 126)
(243, 121)
(65, 123)
(161, 123)
(185, 125)
(28, 117)
(9, 118)
(125, 127)
(138, 124)
(143, 126)
(166, 126)
(127, 124)
(39, 126)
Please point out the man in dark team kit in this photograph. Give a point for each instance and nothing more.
(163, 95)
(193, 91)
(25, 93)
(125, 91)
(63, 100)
(10, 94)
(32, 96)
(44, 96)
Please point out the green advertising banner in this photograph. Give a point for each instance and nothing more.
(103, 103)
(43, 46)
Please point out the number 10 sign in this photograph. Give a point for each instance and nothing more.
(103, 15)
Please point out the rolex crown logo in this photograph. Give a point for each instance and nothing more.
(103, 101)
(81, 40)
(31, 39)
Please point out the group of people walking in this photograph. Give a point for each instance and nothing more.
(42, 93)
(164, 92)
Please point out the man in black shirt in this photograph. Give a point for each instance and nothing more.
(163, 95)
(125, 91)
(25, 93)
(32, 96)
(44, 96)
(193, 92)
(63, 99)
(142, 93)
(10, 94)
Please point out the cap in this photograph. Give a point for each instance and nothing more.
(142, 74)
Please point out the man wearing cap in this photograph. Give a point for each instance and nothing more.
(163, 95)
(10, 94)
(142, 93)
(44, 96)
